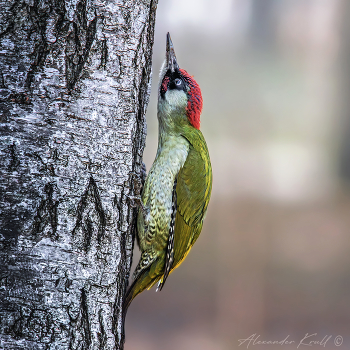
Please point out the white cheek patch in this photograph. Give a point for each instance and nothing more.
(176, 99)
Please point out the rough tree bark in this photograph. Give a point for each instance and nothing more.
(74, 86)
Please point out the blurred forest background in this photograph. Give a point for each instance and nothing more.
(273, 257)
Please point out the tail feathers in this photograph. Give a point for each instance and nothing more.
(144, 280)
(140, 283)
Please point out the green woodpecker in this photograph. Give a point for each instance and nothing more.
(177, 189)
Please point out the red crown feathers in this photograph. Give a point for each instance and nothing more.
(195, 101)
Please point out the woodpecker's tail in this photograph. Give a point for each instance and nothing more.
(135, 288)
(145, 279)
(141, 282)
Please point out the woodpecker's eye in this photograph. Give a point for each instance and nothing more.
(175, 82)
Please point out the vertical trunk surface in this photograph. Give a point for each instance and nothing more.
(74, 86)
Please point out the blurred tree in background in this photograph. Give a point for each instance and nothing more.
(344, 91)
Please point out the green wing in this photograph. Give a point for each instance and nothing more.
(193, 191)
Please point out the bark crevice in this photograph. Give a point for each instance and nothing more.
(46, 214)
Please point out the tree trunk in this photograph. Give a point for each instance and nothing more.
(74, 86)
(343, 94)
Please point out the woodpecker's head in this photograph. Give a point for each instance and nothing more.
(179, 96)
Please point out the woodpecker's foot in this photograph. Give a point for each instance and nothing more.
(136, 202)
(138, 180)
(143, 172)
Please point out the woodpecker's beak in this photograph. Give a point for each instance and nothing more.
(170, 55)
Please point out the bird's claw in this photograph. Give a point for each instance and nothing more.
(136, 202)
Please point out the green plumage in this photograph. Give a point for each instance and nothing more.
(177, 189)
(193, 193)
(194, 181)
